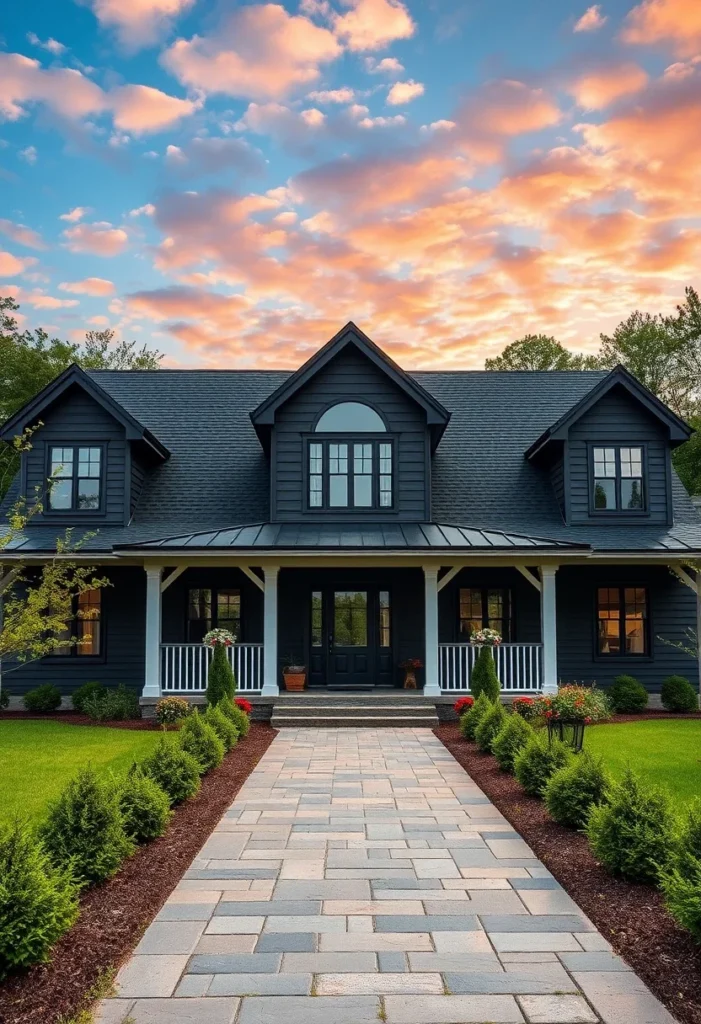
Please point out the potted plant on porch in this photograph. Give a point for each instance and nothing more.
(410, 666)
(295, 676)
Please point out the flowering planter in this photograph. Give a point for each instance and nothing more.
(294, 681)
(410, 679)
(567, 730)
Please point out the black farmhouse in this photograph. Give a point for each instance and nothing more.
(351, 515)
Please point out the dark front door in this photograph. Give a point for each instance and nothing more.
(351, 638)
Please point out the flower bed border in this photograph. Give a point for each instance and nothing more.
(632, 917)
(114, 915)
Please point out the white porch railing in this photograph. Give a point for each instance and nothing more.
(184, 667)
(519, 666)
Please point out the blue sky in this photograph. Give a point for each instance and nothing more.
(231, 182)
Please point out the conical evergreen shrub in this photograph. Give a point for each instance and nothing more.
(681, 882)
(236, 715)
(38, 902)
(486, 732)
(173, 769)
(144, 805)
(472, 718)
(483, 678)
(572, 791)
(84, 829)
(512, 737)
(538, 760)
(199, 739)
(222, 724)
(220, 677)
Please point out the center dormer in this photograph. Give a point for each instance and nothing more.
(350, 436)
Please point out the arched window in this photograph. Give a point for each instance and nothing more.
(345, 473)
(350, 418)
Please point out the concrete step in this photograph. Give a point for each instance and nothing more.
(354, 709)
(286, 720)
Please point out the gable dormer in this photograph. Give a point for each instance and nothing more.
(609, 456)
(88, 455)
(350, 435)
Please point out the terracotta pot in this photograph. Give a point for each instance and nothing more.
(409, 679)
(294, 680)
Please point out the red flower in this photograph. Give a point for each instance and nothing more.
(548, 714)
(463, 704)
(244, 704)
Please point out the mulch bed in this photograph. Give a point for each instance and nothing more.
(631, 917)
(75, 718)
(114, 915)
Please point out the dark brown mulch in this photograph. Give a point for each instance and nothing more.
(75, 718)
(631, 917)
(114, 915)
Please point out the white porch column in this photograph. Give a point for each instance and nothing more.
(270, 680)
(431, 685)
(548, 621)
(152, 680)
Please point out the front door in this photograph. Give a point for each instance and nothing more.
(351, 638)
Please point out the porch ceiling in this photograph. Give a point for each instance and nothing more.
(364, 536)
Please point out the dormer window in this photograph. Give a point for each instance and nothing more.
(75, 478)
(618, 479)
(345, 473)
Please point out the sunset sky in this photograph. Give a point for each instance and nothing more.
(232, 182)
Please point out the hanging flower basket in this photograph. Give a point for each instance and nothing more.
(219, 638)
(485, 637)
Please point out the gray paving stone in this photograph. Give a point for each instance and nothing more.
(452, 1010)
(261, 985)
(559, 1010)
(113, 1011)
(604, 962)
(184, 1011)
(532, 923)
(427, 923)
(264, 908)
(394, 962)
(488, 902)
(524, 942)
(539, 979)
(286, 942)
(231, 873)
(322, 889)
(311, 1010)
(171, 937)
(407, 883)
(193, 985)
(455, 961)
(186, 912)
(149, 976)
(329, 963)
(235, 963)
(535, 883)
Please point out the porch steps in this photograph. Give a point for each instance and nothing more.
(360, 712)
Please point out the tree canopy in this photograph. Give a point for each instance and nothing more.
(539, 352)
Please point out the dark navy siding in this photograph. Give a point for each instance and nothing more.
(79, 419)
(136, 482)
(619, 419)
(124, 638)
(557, 479)
(350, 377)
(672, 610)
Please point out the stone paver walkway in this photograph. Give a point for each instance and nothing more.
(361, 875)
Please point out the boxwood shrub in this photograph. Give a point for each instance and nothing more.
(513, 735)
(145, 807)
(681, 882)
(627, 695)
(572, 791)
(489, 726)
(38, 902)
(222, 725)
(84, 829)
(472, 718)
(175, 771)
(44, 699)
(538, 761)
(199, 739)
(633, 833)
(679, 695)
(83, 693)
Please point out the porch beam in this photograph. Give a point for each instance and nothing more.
(270, 680)
(684, 576)
(548, 618)
(152, 676)
(172, 577)
(431, 684)
(253, 577)
(9, 578)
(531, 577)
(450, 575)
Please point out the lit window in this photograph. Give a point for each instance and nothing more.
(618, 479)
(622, 621)
(84, 626)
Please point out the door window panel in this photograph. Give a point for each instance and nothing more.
(385, 617)
(317, 619)
(350, 618)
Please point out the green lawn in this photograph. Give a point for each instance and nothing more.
(666, 752)
(38, 758)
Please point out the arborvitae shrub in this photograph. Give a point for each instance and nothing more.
(84, 829)
(681, 882)
(144, 805)
(199, 739)
(572, 791)
(220, 677)
(44, 699)
(222, 725)
(38, 902)
(84, 692)
(633, 833)
(239, 718)
(174, 770)
(627, 695)
(538, 761)
(483, 678)
(491, 723)
(679, 695)
(513, 735)
(472, 718)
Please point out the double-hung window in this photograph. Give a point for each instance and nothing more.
(208, 608)
(618, 479)
(622, 621)
(485, 608)
(85, 626)
(75, 478)
(346, 471)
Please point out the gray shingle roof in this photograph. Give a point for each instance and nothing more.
(217, 476)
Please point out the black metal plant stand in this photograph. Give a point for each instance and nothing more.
(570, 731)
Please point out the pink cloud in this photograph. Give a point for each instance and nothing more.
(88, 286)
(591, 20)
(140, 109)
(373, 24)
(260, 52)
(342, 95)
(676, 23)
(21, 234)
(139, 22)
(404, 92)
(386, 66)
(100, 239)
(508, 107)
(11, 265)
(76, 214)
(599, 88)
(208, 155)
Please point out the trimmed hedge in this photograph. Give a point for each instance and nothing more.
(38, 902)
(512, 737)
(174, 770)
(538, 761)
(627, 695)
(489, 726)
(144, 806)
(483, 678)
(200, 740)
(572, 791)
(679, 695)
